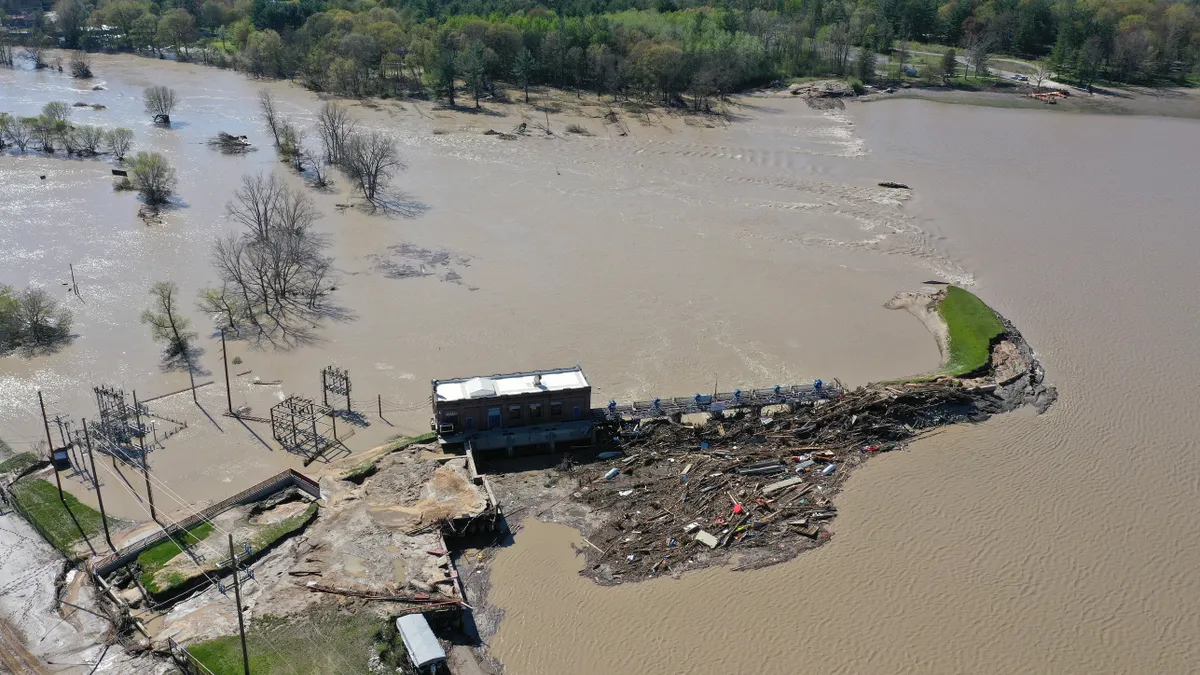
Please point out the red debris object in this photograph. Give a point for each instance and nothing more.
(871, 448)
(737, 509)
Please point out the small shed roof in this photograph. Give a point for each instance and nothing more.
(419, 641)
(560, 379)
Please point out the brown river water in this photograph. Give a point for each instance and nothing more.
(751, 254)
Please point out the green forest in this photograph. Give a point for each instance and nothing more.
(653, 50)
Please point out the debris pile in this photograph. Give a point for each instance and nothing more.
(230, 144)
(681, 496)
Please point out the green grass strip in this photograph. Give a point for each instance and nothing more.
(972, 326)
(155, 558)
(17, 463)
(62, 521)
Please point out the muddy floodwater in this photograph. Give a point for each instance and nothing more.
(749, 254)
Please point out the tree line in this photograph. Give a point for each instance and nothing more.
(627, 48)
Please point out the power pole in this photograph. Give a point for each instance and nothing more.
(50, 444)
(96, 481)
(225, 358)
(137, 410)
(237, 596)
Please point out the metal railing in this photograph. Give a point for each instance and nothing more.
(189, 664)
(665, 407)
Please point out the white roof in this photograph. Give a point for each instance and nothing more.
(419, 641)
(507, 385)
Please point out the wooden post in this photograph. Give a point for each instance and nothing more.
(74, 286)
(50, 443)
(96, 482)
(324, 388)
(225, 358)
(237, 597)
(137, 409)
(346, 381)
(380, 406)
(192, 377)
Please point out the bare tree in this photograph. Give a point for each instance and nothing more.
(266, 102)
(81, 65)
(166, 324)
(118, 141)
(979, 49)
(35, 55)
(160, 102)
(6, 56)
(1040, 75)
(256, 204)
(291, 143)
(320, 172)
(371, 160)
(275, 276)
(335, 124)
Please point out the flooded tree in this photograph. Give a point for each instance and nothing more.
(266, 103)
(275, 274)
(152, 177)
(35, 55)
(371, 161)
(445, 73)
(17, 130)
(167, 326)
(160, 101)
(31, 319)
(81, 66)
(56, 111)
(118, 141)
(334, 126)
(177, 29)
(87, 139)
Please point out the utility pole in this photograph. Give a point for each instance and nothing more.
(137, 409)
(380, 405)
(96, 481)
(74, 286)
(237, 596)
(50, 444)
(225, 358)
(324, 388)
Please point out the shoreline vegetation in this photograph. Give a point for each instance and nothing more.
(669, 53)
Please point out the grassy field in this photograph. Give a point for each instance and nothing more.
(16, 463)
(325, 641)
(62, 521)
(972, 325)
(154, 559)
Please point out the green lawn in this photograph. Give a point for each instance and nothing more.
(972, 325)
(17, 463)
(62, 523)
(154, 559)
(328, 640)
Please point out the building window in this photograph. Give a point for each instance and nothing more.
(493, 418)
(514, 412)
(555, 408)
(451, 418)
(470, 424)
(578, 412)
(535, 410)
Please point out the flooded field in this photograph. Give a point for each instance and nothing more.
(661, 263)
(679, 255)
